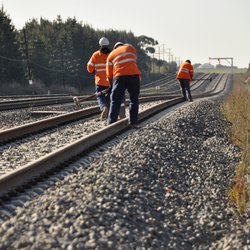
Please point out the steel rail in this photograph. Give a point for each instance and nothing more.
(32, 103)
(168, 85)
(18, 104)
(45, 100)
(49, 100)
(195, 85)
(221, 81)
(12, 97)
(34, 127)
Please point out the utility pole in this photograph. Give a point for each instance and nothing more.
(164, 51)
(172, 57)
(178, 61)
(153, 69)
(168, 54)
(28, 60)
(62, 67)
(159, 58)
(159, 52)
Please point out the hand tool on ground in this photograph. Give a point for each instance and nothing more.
(198, 79)
(78, 101)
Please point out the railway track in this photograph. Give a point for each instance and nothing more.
(11, 180)
(165, 88)
(34, 127)
(33, 102)
(13, 103)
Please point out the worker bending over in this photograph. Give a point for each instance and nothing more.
(97, 66)
(185, 76)
(123, 73)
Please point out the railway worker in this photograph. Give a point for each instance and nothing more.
(185, 76)
(123, 73)
(97, 66)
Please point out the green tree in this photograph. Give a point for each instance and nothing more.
(11, 68)
(59, 50)
(159, 63)
(172, 67)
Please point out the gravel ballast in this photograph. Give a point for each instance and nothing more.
(16, 154)
(164, 186)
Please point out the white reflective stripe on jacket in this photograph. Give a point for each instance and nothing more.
(122, 61)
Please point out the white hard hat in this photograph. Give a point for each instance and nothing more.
(117, 44)
(104, 41)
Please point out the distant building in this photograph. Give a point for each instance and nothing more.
(206, 66)
(225, 66)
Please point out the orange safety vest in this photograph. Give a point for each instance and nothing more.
(186, 71)
(97, 65)
(122, 61)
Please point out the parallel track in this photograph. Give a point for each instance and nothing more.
(29, 102)
(10, 181)
(34, 127)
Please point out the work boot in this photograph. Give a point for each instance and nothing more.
(122, 116)
(134, 126)
(104, 113)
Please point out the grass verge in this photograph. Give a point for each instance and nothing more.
(237, 110)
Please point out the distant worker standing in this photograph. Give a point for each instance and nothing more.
(123, 73)
(185, 76)
(97, 66)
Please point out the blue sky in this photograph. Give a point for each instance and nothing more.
(194, 29)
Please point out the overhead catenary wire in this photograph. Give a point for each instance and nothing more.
(32, 62)
(42, 66)
(46, 68)
(66, 72)
(25, 60)
(12, 59)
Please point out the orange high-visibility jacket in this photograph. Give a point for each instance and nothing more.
(97, 65)
(122, 61)
(186, 71)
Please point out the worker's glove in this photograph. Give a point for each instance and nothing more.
(109, 90)
(99, 93)
(103, 92)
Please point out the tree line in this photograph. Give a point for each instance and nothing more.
(56, 52)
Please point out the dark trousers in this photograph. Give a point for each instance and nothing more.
(120, 84)
(185, 88)
(104, 99)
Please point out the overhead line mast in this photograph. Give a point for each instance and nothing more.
(223, 58)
